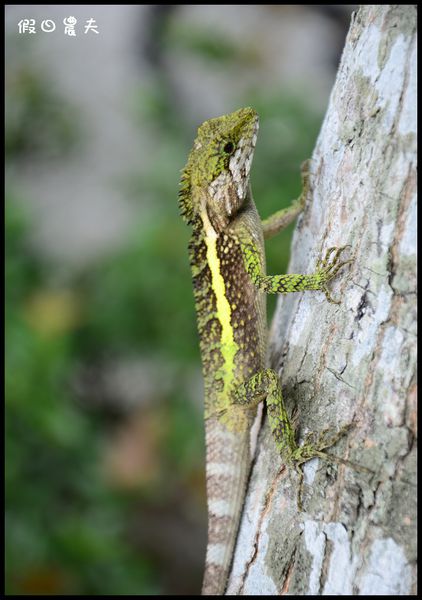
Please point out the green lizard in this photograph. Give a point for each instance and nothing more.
(227, 259)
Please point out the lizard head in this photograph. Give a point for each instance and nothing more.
(216, 176)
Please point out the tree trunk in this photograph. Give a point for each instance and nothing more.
(353, 362)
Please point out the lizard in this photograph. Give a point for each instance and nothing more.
(227, 259)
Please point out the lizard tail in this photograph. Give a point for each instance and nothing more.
(228, 464)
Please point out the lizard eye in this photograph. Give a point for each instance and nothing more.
(228, 148)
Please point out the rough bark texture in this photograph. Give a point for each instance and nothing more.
(352, 363)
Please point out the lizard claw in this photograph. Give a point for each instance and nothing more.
(328, 268)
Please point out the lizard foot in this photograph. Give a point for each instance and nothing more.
(314, 447)
(327, 269)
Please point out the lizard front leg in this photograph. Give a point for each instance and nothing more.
(280, 219)
(327, 268)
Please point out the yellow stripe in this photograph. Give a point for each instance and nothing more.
(229, 347)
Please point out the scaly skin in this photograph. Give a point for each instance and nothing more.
(228, 270)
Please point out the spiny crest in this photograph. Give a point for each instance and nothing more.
(185, 196)
(222, 150)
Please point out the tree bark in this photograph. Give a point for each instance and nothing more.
(353, 362)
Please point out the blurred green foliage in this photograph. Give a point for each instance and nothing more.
(72, 526)
(64, 525)
(207, 43)
(39, 123)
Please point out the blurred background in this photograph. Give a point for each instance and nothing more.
(105, 485)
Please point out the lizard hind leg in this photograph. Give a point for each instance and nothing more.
(265, 384)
